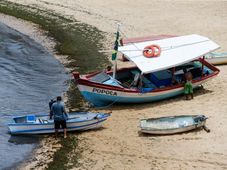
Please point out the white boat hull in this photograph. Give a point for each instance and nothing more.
(171, 125)
(48, 126)
(172, 131)
(217, 60)
(104, 97)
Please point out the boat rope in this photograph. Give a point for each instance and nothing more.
(108, 105)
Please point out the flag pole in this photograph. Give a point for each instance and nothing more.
(114, 54)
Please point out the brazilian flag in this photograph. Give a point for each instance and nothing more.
(114, 54)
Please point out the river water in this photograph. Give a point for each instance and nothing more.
(29, 78)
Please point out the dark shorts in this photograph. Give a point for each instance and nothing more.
(58, 123)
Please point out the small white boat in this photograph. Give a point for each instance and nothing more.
(172, 125)
(41, 124)
(217, 58)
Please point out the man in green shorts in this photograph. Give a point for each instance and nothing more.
(188, 88)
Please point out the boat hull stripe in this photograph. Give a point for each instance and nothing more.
(50, 129)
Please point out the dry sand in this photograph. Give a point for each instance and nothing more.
(119, 145)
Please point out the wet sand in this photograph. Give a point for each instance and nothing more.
(119, 145)
(43, 153)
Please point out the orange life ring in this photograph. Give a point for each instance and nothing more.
(152, 51)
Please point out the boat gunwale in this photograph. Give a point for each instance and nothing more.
(50, 123)
(170, 129)
(199, 124)
(171, 117)
(85, 81)
(68, 128)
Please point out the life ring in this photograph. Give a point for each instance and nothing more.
(152, 51)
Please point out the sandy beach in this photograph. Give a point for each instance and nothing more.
(119, 145)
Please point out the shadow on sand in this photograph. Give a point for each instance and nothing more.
(140, 106)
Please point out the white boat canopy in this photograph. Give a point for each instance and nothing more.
(174, 51)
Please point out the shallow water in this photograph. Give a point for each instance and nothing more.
(30, 77)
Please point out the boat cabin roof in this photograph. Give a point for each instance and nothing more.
(175, 51)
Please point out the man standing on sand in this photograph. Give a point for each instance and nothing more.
(188, 88)
(60, 116)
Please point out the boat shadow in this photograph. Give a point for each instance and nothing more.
(25, 139)
(87, 131)
(119, 106)
(36, 138)
(146, 135)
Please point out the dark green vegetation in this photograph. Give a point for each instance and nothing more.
(81, 43)
(64, 158)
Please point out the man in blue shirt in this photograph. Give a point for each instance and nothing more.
(60, 116)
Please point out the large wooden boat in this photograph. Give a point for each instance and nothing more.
(154, 77)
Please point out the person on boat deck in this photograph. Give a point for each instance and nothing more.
(188, 88)
(60, 116)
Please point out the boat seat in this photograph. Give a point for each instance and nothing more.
(41, 121)
(100, 77)
(45, 121)
(113, 82)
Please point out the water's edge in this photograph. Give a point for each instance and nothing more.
(77, 54)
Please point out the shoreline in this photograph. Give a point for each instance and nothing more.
(119, 145)
(34, 32)
(43, 153)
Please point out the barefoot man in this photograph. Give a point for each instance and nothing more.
(60, 116)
